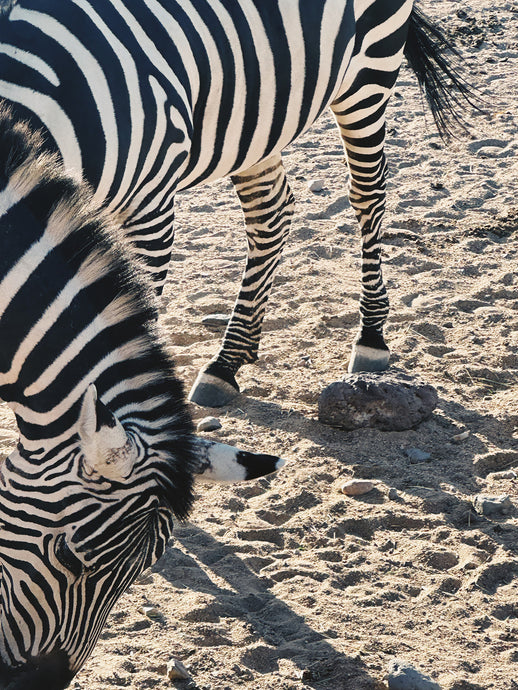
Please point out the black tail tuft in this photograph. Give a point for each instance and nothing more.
(436, 64)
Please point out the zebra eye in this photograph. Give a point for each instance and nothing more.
(67, 558)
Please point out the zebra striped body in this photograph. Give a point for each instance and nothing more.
(84, 506)
(146, 98)
(87, 499)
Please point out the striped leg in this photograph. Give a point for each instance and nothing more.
(267, 204)
(153, 244)
(362, 129)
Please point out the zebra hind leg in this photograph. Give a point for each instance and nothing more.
(267, 204)
(367, 168)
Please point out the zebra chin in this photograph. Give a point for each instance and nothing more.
(49, 672)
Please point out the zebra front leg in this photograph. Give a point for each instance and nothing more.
(367, 168)
(370, 352)
(267, 204)
(152, 241)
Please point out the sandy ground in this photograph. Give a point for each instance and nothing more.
(285, 583)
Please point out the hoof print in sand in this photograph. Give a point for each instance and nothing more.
(385, 401)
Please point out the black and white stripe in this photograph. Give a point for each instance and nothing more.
(144, 98)
(106, 455)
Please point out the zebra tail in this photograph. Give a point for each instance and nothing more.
(437, 65)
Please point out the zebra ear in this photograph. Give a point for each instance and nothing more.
(106, 447)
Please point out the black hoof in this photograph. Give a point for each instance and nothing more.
(365, 358)
(211, 391)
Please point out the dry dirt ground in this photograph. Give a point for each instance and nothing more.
(285, 583)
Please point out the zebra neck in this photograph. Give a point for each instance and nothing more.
(73, 309)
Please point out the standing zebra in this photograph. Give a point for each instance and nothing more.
(87, 499)
(144, 98)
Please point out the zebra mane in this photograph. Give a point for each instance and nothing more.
(63, 204)
(56, 194)
(6, 6)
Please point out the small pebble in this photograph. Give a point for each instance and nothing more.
(387, 545)
(208, 424)
(509, 474)
(460, 437)
(356, 487)
(393, 494)
(475, 146)
(216, 321)
(403, 676)
(491, 505)
(417, 455)
(316, 185)
(176, 670)
(150, 611)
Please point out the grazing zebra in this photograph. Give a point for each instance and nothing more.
(87, 499)
(144, 98)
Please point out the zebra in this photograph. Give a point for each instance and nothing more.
(106, 455)
(146, 98)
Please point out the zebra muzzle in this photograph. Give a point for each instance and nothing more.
(222, 463)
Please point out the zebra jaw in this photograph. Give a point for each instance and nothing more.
(107, 449)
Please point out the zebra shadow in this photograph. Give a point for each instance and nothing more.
(279, 642)
(490, 446)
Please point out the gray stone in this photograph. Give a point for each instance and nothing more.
(510, 474)
(176, 670)
(417, 455)
(390, 401)
(316, 185)
(492, 505)
(208, 424)
(403, 676)
(216, 322)
(393, 494)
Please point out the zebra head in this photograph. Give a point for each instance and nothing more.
(76, 529)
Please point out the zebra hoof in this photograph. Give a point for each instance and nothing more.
(211, 391)
(365, 358)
